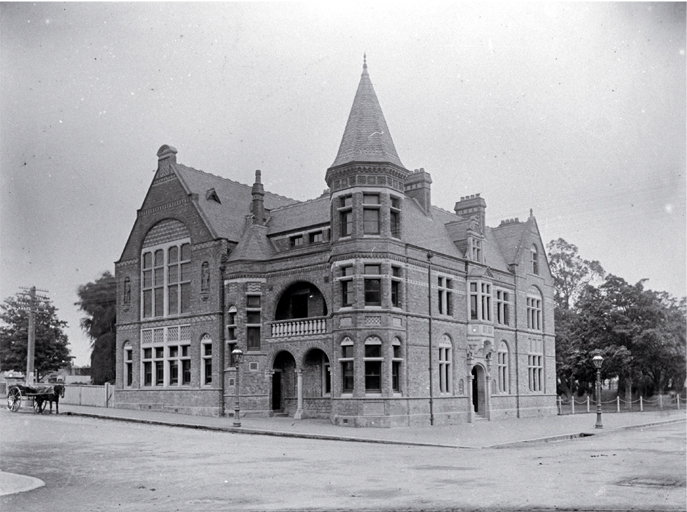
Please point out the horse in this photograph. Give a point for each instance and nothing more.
(46, 394)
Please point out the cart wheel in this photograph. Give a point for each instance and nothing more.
(14, 400)
(39, 405)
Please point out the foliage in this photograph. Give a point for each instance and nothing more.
(570, 272)
(98, 300)
(51, 350)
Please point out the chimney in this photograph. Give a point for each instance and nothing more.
(258, 200)
(418, 185)
(166, 157)
(470, 206)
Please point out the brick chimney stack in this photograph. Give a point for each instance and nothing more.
(470, 206)
(258, 200)
(418, 185)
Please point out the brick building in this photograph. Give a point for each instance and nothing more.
(328, 298)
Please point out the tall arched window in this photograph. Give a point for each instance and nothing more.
(535, 260)
(534, 304)
(502, 368)
(445, 358)
(128, 364)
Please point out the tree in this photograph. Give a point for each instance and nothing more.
(51, 350)
(570, 272)
(98, 300)
(640, 333)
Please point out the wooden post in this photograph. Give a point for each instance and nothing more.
(587, 403)
(617, 399)
(641, 404)
(572, 401)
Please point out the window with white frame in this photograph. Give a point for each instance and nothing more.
(165, 356)
(445, 359)
(502, 307)
(373, 285)
(253, 322)
(231, 323)
(395, 217)
(128, 364)
(502, 368)
(347, 365)
(535, 365)
(347, 286)
(534, 309)
(535, 260)
(445, 295)
(373, 365)
(166, 279)
(480, 301)
(396, 286)
(396, 364)
(206, 360)
(346, 215)
(371, 210)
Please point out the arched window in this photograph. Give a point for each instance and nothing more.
(445, 359)
(396, 363)
(347, 365)
(128, 364)
(535, 260)
(534, 303)
(206, 360)
(373, 365)
(502, 368)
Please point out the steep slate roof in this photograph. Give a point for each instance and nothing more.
(227, 219)
(366, 137)
(427, 232)
(511, 238)
(254, 245)
(299, 215)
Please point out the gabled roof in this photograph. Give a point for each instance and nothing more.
(366, 137)
(513, 237)
(227, 218)
(427, 231)
(299, 215)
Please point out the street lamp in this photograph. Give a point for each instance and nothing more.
(598, 361)
(237, 358)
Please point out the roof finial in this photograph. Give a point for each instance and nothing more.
(364, 63)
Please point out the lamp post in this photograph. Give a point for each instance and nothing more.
(598, 361)
(237, 357)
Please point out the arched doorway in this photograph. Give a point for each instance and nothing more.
(317, 384)
(479, 393)
(283, 391)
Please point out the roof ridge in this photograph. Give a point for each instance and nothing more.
(299, 203)
(234, 181)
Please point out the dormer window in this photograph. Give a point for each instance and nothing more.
(316, 237)
(476, 249)
(211, 195)
(296, 241)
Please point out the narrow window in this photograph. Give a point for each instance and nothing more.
(534, 311)
(373, 365)
(371, 216)
(502, 368)
(473, 301)
(346, 215)
(296, 241)
(445, 296)
(535, 365)
(445, 359)
(231, 323)
(395, 217)
(347, 361)
(206, 360)
(316, 237)
(535, 260)
(502, 307)
(128, 364)
(396, 363)
(253, 322)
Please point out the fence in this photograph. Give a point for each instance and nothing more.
(587, 404)
(94, 396)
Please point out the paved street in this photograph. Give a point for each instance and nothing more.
(102, 465)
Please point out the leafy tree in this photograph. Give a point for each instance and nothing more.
(51, 350)
(98, 300)
(570, 272)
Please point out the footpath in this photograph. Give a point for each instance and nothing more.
(479, 435)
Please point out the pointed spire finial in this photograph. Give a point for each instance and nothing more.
(364, 63)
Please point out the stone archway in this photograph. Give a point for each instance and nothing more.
(283, 391)
(479, 390)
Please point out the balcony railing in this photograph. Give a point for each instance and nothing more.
(300, 327)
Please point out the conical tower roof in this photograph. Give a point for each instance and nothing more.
(367, 137)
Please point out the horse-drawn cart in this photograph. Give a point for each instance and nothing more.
(37, 397)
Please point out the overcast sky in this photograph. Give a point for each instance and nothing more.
(576, 110)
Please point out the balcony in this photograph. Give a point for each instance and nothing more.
(299, 327)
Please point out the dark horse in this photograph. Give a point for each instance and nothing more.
(48, 394)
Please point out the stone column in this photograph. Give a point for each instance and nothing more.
(471, 408)
(487, 392)
(299, 380)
